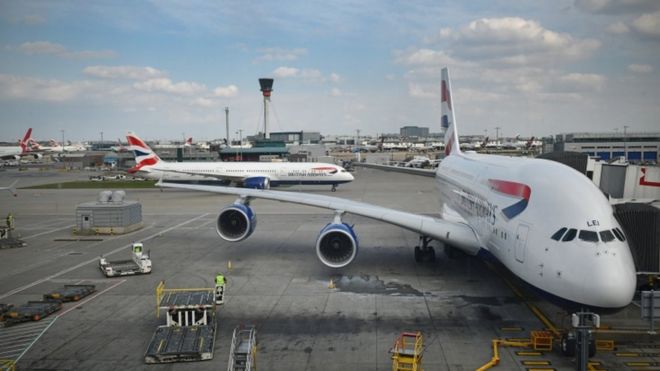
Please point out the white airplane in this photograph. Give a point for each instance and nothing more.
(54, 147)
(22, 150)
(261, 175)
(545, 222)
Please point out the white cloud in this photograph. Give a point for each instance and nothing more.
(124, 72)
(336, 92)
(42, 47)
(334, 77)
(517, 41)
(284, 72)
(203, 102)
(59, 50)
(417, 90)
(648, 25)
(583, 81)
(280, 54)
(226, 91)
(164, 85)
(20, 87)
(424, 57)
(618, 28)
(640, 68)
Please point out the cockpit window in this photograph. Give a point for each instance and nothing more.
(570, 235)
(619, 235)
(589, 236)
(606, 235)
(333, 171)
(558, 234)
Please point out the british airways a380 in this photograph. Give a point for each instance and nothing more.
(545, 222)
(259, 175)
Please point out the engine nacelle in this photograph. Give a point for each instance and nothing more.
(236, 222)
(37, 156)
(258, 182)
(337, 245)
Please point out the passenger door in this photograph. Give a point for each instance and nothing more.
(521, 241)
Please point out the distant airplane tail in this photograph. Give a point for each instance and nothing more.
(448, 121)
(144, 156)
(188, 142)
(25, 142)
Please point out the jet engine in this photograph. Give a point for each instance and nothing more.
(258, 182)
(236, 222)
(37, 156)
(337, 245)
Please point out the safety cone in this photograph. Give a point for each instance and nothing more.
(331, 285)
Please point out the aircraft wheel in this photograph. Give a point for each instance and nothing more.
(592, 347)
(567, 345)
(451, 252)
(418, 254)
(430, 255)
(334, 189)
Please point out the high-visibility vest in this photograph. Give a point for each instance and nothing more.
(219, 280)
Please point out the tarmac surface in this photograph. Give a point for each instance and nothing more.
(276, 282)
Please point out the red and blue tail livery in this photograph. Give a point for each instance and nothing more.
(144, 156)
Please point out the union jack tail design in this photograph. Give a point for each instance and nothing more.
(144, 156)
(448, 121)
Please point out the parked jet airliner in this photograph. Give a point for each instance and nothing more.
(545, 222)
(22, 150)
(261, 175)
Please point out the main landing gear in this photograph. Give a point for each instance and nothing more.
(334, 188)
(424, 252)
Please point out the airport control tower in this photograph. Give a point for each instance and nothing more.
(266, 89)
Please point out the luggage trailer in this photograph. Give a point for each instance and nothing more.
(190, 326)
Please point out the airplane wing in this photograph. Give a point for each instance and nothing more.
(400, 169)
(11, 188)
(455, 233)
(238, 178)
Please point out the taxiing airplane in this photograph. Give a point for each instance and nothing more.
(545, 222)
(261, 175)
(22, 150)
(54, 147)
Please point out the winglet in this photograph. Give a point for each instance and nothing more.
(448, 120)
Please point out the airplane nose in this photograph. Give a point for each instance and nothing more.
(613, 284)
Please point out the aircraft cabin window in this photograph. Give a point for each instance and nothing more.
(589, 236)
(606, 236)
(570, 235)
(558, 234)
(619, 235)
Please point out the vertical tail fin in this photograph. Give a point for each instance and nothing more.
(448, 121)
(26, 141)
(144, 156)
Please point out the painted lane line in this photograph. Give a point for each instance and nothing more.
(91, 298)
(35, 340)
(25, 287)
(49, 231)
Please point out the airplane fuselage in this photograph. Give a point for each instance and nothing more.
(282, 173)
(516, 205)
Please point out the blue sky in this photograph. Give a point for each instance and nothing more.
(166, 68)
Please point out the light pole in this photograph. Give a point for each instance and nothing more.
(101, 138)
(497, 136)
(227, 124)
(625, 144)
(62, 130)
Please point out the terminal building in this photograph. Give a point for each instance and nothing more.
(635, 147)
(413, 131)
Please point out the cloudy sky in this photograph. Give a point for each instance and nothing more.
(165, 68)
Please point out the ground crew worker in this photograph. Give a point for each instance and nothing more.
(137, 247)
(10, 220)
